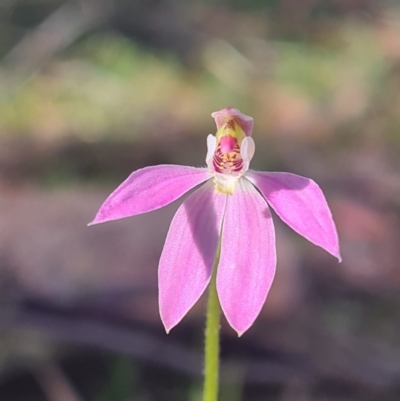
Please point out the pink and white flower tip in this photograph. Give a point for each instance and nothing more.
(231, 205)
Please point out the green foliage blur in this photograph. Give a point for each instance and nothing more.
(267, 58)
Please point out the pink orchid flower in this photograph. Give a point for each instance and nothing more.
(232, 207)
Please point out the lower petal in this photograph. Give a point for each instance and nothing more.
(189, 252)
(248, 256)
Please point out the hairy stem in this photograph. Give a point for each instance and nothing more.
(211, 360)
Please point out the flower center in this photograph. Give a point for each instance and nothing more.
(228, 157)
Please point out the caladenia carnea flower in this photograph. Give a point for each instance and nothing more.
(231, 206)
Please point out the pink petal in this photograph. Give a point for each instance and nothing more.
(300, 203)
(248, 256)
(245, 122)
(148, 189)
(188, 256)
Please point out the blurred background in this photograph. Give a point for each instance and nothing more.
(91, 90)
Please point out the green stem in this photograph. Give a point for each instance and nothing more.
(211, 360)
